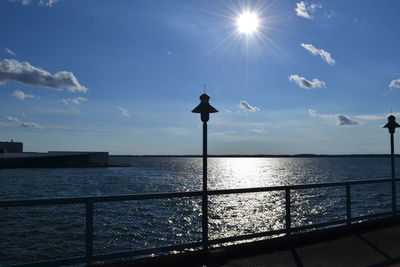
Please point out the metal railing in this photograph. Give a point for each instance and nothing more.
(344, 189)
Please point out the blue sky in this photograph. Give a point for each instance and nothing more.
(123, 76)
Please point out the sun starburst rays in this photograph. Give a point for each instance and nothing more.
(248, 22)
(247, 32)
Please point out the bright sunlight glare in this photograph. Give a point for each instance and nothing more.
(247, 22)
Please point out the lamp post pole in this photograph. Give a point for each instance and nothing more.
(204, 202)
(204, 108)
(392, 125)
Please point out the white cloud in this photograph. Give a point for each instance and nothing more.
(9, 51)
(395, 84)
(124, 112)
(24, 72)
(48, 3)
(21, 95)
(340, 119)
(306, 84)
(77, 100)
(312, 112)
(31, 125)
(246, 106)
(326, 56)
(11, 119)
(303, 10)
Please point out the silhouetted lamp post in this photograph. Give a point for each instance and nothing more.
(392, 125)
(204, 108)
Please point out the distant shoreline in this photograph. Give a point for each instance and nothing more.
(264, 156)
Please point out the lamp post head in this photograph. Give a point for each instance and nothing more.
(204, 108)
(392, 124)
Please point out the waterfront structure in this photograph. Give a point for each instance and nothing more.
(11, 147)
(12, 156)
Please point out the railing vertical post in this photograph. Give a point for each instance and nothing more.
(89, 232)
(288, 217)
(348, 203)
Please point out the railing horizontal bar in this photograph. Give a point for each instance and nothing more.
(53, 263)
(293, 187)
(371, 181)
(147, 196)
(39, 202)
(318, 225)
(146, 251)
(244, 237)
(370, 216)
(36, 202)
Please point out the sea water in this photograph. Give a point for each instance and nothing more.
(53, 232)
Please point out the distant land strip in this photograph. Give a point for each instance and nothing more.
(265, 156)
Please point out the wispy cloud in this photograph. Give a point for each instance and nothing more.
(340, 119)
(16, 122)
(306, 84)
(9, 51)
(77, 100)
(11, 119)
(375, 117)
(258, 130)
(23, 2)
(395, 84)
(246, 106)
(330, 14)
(304, 10)
(371, 117)
(31, 125)
(124, 112)
(326, 56)
(24, 72)
(48, 3)
(21, 95)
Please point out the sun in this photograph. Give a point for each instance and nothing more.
(247, 22)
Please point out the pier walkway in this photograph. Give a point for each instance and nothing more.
(374, 243)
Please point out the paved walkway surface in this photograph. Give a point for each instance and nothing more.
(378, 245)
(376, 248)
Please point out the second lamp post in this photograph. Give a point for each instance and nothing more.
(392, 125)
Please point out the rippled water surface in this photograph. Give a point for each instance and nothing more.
(51, 232)
(184, 174)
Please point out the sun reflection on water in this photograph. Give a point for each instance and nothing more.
(245, 172)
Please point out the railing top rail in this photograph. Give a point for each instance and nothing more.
(52, 201)
(78, 200)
